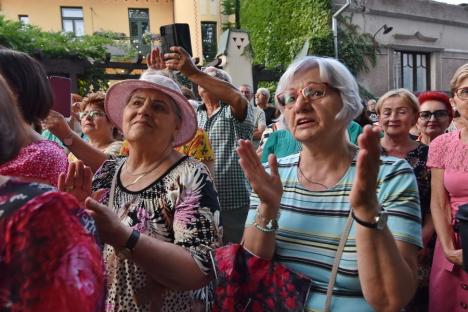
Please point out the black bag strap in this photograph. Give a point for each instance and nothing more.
(462, 217)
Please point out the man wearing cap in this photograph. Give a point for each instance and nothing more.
(226, 116)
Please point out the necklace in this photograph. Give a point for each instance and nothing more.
(307, 179)
(353, 151)
(143, 174)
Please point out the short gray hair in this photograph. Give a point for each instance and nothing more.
(217, 73)
(333, 73)
(265, 92)
(404, 94)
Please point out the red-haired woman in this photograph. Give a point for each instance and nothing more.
(435, 115)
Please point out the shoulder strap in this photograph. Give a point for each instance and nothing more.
(336, 262)
(110, 203)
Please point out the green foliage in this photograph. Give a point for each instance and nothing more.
(31, 39)
(228, 7)
(93, 80)
(357, 50)
(278, 30)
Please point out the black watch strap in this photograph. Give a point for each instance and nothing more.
(379, 223)
(132, 240)
(371, 225)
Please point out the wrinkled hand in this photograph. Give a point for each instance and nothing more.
(268, 187)
(155, 60)
(455, 256)
(180, 60)
(111, 230)
(363, 196)
(77, 181)
(56, 123)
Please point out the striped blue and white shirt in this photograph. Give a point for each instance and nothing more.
(311, 223)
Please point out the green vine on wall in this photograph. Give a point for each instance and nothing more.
(32, 40)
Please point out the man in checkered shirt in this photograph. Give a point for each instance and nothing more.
(226, 116)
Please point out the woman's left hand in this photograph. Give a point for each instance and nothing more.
(111, 230)
(77, 181)
(363, 196)
(154, 60)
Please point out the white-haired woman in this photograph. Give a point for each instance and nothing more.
(302, 202)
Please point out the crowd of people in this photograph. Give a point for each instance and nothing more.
(123, 205)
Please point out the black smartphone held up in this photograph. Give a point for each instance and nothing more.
(61, 89)
(175, 35)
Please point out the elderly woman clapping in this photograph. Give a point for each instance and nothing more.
(163, 213)
(301, 204)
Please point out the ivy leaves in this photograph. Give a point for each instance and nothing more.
(278, 30)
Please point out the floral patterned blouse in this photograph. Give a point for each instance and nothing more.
(49, 256)
(417, 158)
(180, 207)
(199, 147)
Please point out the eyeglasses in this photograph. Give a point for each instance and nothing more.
(462, 93)
(311, 92)
(438, 114)
(91, 114)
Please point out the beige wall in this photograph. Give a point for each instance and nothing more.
(112, 15)
(99, 15)
(193, 12)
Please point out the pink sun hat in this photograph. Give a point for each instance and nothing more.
(118, 95)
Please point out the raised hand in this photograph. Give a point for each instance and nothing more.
(56, 123)
(268, 187)
(77, 180)
(363, 196)
(154, 60)
(180, 60)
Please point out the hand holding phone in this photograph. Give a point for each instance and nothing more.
(175, 35)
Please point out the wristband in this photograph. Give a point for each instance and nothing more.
(379, 222)
(270, 225)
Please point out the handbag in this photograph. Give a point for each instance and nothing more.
(462, 229)
(245, 282)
